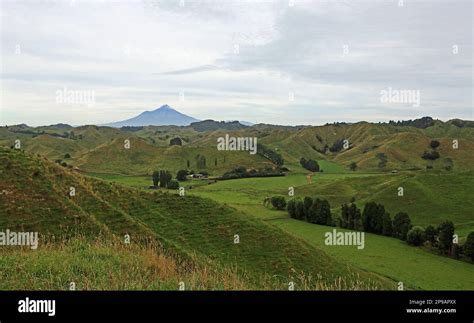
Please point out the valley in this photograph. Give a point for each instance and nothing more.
(359, 162)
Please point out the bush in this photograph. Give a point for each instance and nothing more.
(278, 202)
(337, 146)
(416, 236)
(353, 166)
(434, 144)
(430, 155)
(181, 175)
(310, 165)
(173, 184)
(176, 142)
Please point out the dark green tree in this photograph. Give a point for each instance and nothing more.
(445, 236)
(401, 225)
(291, 207)
(372, 217)
(355, 217)
(278, 202)
(387, 226)
(300, 215)
(307, 203)
(344, 219)
(165, 178)
(431, 234)
(182, 175)
(416, 236)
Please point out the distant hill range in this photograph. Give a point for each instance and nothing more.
(163, 116)
(211, 125)
(383, 147)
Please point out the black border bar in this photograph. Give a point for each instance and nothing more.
(244, 305)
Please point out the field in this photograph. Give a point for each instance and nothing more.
(417, 268)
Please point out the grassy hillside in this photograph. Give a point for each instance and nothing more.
(34, 193)
(416, 268)
(429, 197)
(390, 257)
(100, 149)
(103, 264)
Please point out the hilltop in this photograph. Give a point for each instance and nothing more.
(374, 147)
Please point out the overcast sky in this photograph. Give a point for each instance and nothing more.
(281, 62)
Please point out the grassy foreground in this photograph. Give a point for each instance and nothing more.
(106, 265)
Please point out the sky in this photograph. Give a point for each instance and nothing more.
(286, 62)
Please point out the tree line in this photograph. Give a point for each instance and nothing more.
(375, 219)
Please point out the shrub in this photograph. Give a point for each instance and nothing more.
(430, 155)
(278, 202)
(173, 184)
(416, 236)
(181, 175)
(337, 146)
(353, 166)
(176, 142)
(434, 144)
(310, 165)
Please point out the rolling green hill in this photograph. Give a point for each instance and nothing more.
(429, 199)
(197, 231)
(99, 149)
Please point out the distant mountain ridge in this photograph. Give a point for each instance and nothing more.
(163, 116)
(211, 125)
